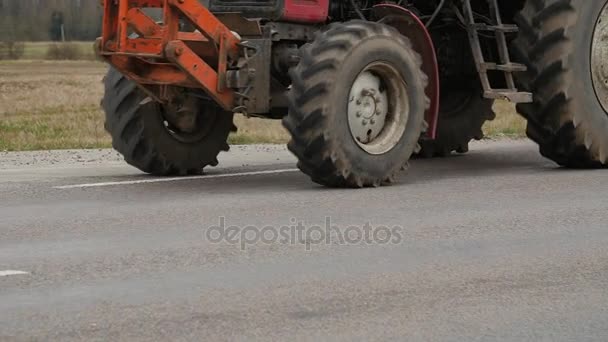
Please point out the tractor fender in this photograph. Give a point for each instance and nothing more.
(409, 25)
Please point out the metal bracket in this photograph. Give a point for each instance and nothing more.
(161, 55)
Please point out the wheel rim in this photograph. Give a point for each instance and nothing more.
(190, 127)
(378, 108)
(599, 56)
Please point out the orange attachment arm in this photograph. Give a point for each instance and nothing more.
(180, 54)
(161, 55)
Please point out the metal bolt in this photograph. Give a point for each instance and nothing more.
(359, 114)
(372, 121)
(358, 101)
(364, 122)
(181, 1)
(179, 51)
(378, 112)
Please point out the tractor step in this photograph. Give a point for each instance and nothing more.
(511, 67)
(507, 94)
(503, 28)
(499, 30)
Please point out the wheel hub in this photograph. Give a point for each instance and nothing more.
(368, 107)
(378, 108)
(189, 120)
(599, 58)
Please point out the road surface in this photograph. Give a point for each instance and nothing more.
(497, 244)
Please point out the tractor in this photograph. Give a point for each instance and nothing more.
(362, 86)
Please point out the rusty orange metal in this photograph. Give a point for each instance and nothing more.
(123, 25)
(138, 47)
(146, 27)
(142, 24)
(161, 55)
(207, 23)
(149, 73)
(153, 78)
(197, 69)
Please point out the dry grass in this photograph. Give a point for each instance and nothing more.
(253, 130)
(51, 105)
(507, 123)
(39, 50)
(55, 105)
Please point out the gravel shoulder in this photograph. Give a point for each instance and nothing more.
(98, 157)
(104, 157)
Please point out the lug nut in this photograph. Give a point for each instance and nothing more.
(372, 121)
(364, 122)
(359, 114)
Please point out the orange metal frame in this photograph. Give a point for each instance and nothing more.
(163, 56)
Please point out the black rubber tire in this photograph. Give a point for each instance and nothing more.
(463, 112)
(566, 118)
(317, 119)
(138, 132)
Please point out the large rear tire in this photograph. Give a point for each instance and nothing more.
(355, 114)
(463, 112)
(142, 134)
(562, 42)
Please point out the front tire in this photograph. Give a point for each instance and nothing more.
(142, 134)
(567, 75)
(357, 105)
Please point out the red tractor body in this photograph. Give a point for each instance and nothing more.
(305, 11)
(360, 85)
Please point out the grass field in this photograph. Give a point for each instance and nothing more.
(55, 105)
(507, 123)
(38, 50)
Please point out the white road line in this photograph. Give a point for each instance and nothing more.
(11, 273)
(162, 180)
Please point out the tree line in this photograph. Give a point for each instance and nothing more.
(43, 20)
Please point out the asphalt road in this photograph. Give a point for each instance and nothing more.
(495, 245)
